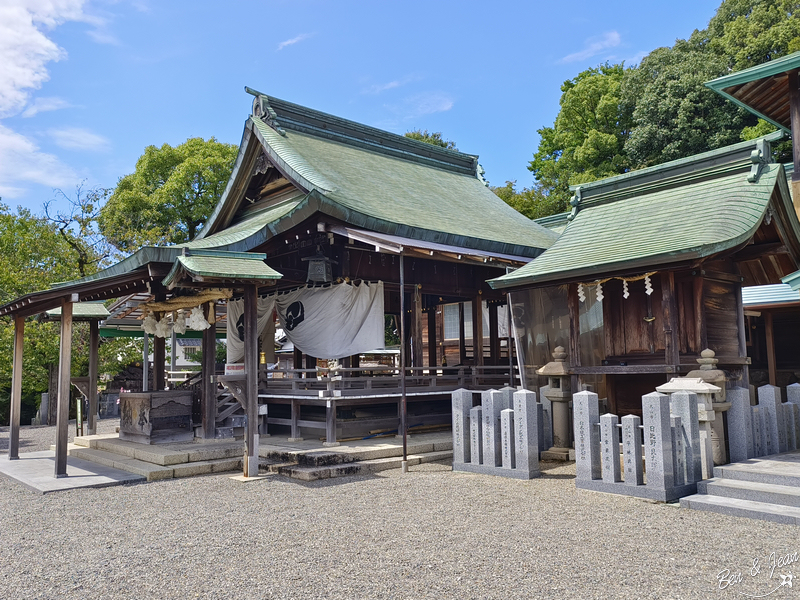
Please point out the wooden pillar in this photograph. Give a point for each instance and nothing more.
(432, 360)
(330, 424)
(574, 352)
(477, 330)
(146, 362)
(494, 336)
(295, 417)
(16, 389)
(416, 329)
(311, 363)
(159, 360)
(94, 345)
(671, 344)
(297, 359)
(794, 112)
(700, 313)
(251, 372)
(208, 409)
(462, 343)
(64, 365)
(771, 367)
(173, 354)
(742, 336)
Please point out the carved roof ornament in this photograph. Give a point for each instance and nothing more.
(262, 110)
(759, 159)
(575, 203)
(262, 164)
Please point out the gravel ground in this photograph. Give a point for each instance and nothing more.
(428, 534)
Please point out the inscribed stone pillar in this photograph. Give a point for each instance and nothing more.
(769, 397)
(547, 421)
(658, 441)
(791, 433)
(678, 451)
(684, 405)
(527, 418)
(632, 449)
(740, 427)
(586, 416)
(758, 440)
(507, 438)
(793, 412)
(493, 402)
(462, 405)
(793, 393)
(476, 435)
(609, 448)
(64, 365)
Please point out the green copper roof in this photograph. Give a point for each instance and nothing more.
(81, 311)
(216, 265)
(763, 89)
(792, 280)
(403, 197)
(683, 218)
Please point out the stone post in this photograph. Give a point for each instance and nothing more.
(684, 405)
(740, 426)
(507, 438)
(558, 376)
(758, 440)
(609, 448)
(678, 451)
(527, 422)
(493, 402)
(632, 449)
(476, 435)
(462, 405)
(547, 420)
(769, 401)
(705, 414)
(586, 409)
(658, 441)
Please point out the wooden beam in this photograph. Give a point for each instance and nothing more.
(700, 313)
(159, 362)
(477, 330)
(64, 366)
(94, 345)
(758, 251)
(494, 338)
(794, 109)
(670, 310)
(16, 389)
(462, 343)
(251, 372)
(416, 328)
(432, 359)
(771, 366)
(208, 408)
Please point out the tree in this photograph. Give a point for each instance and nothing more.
(587, 140)
(435, 138)
(674, 114)
(533, 202)
(752, 32)
(169, 197)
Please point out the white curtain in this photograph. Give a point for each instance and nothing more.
(325, 322)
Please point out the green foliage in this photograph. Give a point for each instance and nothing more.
(434, 138)
(587, 139)
(532, 202)
(391, 333)
(220, 354)
(169, 197)
(675, 115)
(751, 32)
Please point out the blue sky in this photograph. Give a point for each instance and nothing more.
(86, 85)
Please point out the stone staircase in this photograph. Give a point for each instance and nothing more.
(766, 488)
(299, 460)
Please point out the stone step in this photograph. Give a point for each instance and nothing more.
(751, 490)
(762, 471)
(736, 507)
(364, 467)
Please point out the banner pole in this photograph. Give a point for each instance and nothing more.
(403, 408)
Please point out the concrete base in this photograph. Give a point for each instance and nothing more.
(292, 440)
(638, 491)
(330, 444)
(244, 479)
(35, 471)
(498, 471)
(564, 454)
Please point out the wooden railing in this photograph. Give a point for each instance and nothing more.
(382, 380)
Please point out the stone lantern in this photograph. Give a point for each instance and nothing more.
(558, 378)
(705, 414)
(709, 373)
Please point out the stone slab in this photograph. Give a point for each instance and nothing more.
(35, 470)
(750, 490)
(639, 491)
(743, 508)
(497, 471)
(191, 469)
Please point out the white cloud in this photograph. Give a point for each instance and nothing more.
(378, 88)
(427, 104)
(43, 104)
(594, 46)
(294, 40)
(75, 138)
(21, 161)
